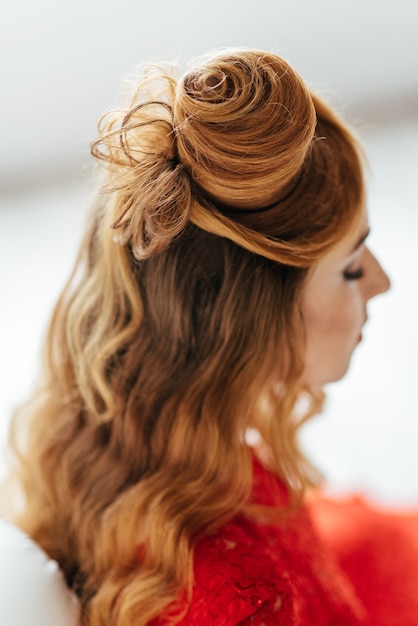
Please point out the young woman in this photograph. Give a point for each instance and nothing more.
(223, 279)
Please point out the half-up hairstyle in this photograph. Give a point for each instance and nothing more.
(181, 328)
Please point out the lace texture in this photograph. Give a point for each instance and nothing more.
(250, 574)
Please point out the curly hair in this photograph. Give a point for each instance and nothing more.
(180, 327)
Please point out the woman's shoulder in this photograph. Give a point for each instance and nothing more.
(237, 582)
(33, 591)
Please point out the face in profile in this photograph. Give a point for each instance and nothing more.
(334, 305)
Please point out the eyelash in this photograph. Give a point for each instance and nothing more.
(354, 274)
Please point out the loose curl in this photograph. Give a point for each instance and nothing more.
(181, 328)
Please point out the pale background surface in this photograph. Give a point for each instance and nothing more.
(61, 66)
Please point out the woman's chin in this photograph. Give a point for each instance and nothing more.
(318, 378)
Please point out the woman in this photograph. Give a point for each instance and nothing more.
(223, 279)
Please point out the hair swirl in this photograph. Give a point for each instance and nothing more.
(181, 327)
(239, 95)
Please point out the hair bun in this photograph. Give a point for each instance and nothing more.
(244, 122)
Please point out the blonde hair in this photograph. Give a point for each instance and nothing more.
(180, 327)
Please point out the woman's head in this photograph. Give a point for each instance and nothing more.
(235, 155)
(192, 315)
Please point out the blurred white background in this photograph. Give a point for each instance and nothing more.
(61, 66)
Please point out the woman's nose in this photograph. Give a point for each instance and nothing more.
(379, 281)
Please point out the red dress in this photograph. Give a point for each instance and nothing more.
(325, 565)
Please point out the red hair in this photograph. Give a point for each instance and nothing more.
(181, 328)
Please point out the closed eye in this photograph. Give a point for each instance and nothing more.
(353, 274)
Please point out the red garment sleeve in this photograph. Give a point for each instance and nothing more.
(378, 550)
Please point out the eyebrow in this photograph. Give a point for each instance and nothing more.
(361, 240)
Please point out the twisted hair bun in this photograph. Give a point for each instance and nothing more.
(235, 135)
(244, 124)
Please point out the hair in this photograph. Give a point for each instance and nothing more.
(180, 327)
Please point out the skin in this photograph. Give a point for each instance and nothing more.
(334, 305)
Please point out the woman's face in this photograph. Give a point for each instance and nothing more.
(334, 305)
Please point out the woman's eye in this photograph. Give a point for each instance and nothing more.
(353, 274)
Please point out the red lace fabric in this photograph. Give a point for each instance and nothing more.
(314, 568)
